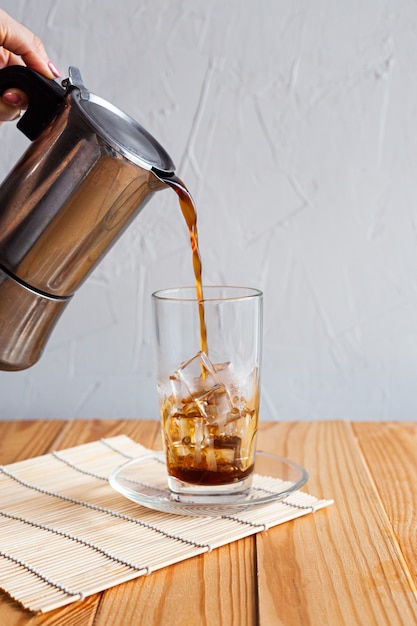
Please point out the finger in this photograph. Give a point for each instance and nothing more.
(8, 114)
(8, 58)
(11, 104)
(15, 98)
(19, 40)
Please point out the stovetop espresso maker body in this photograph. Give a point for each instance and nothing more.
(88, 172)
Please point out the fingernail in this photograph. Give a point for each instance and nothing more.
(10, 97)
(55, 71)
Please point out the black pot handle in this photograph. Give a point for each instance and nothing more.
(45, 97)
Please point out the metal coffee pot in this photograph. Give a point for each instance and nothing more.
(88, 172)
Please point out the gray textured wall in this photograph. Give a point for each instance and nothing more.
(294, 126)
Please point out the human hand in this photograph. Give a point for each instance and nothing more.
(19, 46)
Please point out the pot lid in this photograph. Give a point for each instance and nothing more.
(118, 129)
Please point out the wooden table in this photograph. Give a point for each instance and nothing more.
(353, 563)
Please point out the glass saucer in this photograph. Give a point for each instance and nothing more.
(144, 480)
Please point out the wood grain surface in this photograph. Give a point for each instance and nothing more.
(353, 563)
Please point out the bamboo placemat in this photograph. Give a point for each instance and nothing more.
(66, 534)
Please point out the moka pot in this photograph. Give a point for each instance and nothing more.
(88, 172)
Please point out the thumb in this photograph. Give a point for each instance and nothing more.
(11, 103)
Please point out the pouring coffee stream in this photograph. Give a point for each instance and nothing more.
(190, 215)
(88, 172)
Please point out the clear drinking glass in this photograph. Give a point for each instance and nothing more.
(208, 364)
